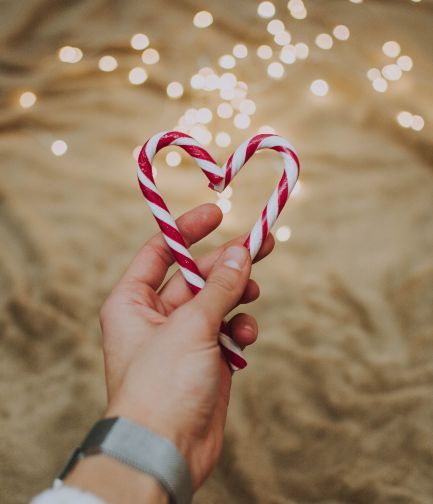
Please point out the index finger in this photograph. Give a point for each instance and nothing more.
(151, 263)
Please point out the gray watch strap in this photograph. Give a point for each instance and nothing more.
(142, 449)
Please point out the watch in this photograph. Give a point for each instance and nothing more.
(141, 449)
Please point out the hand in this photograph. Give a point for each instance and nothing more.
(164, 367)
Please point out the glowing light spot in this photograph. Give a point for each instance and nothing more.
(275, 70)
(107, 63)
(391, 49)
(27, 99)
(240, 51)
(137, 76)
(266, 9)
(226, 194)
(341, 32)
(374, 73)
(392, 72)
(301, 50)
(247, 107)
(275, 26)
(288, 54)
(297, 9)
(204, 115)
(324, 41)
(282, 38)
(283, 233)
(211, 82)
(202, 134)
(225, 205)
(357, 1)
(59, 147)
(175, 90)
(264, 52)
(197, 81)
(191, 116)
(319, 87)
(202, 19)
(227, 61)
(225, 110)
(70, 54)
(242, 121)
(227, 94)
(150, 56)
(173, 158)
(404, 118)
(405, 63)
(265, 128)
(417, 123)
(380, 85)
(223, 139)
(227, 81)
(139, 41)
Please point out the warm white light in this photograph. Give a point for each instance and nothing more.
(392, 72)
(357, 1)
(225, 110)
(405, 63)
(203, 19)
(417, 123)
(404, 118)
(227, 94)
(374, 73)
(247, 107)
(288, 54)
(319, 87)
(266, 9)
(137, 76)
(139, 41)
(225, 205)
(59, 147)
(242, 121)
(150, 56)
(283, 233)
(211, 82)
(275, 70)
(175, 90)
(227, 81)
(202, 134)
(27, 99)
(341, 32)
(197, 81)
(173, 158)
(227, 61)
(282, 38)
(299, 13)
(240, 51)
(107, 63)
(324, 41)
(70, 54)
(391, 49)
(204, 115)
(380, 85)
(264, 52)
(223, 139)
(266, 129)
(301, 50)
(191, 116)
(275, 26)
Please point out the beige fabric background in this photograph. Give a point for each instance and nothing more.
(336, 404)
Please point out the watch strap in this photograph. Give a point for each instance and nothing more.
(140, 448)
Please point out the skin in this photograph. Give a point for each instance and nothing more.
(163, 364)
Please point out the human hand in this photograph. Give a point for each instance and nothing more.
(164, 367)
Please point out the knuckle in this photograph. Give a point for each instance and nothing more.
(226, 282)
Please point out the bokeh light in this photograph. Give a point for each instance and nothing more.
(240, 51)
(69, 54)
(324, 41)
(341, 32)
(275, 70)
(174, 90)
(27, 99)
(139, 41)
(319, 87)
(150, 56)
(391, 49)
(223, 139)
(203, 19)
(283, 233)
(266, 9)
(107, 63)
(59, 147)
(137, 76)
(173, 158)
(264, 52)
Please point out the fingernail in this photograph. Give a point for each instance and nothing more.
(235, 257)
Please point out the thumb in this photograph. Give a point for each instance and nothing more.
(224, 286)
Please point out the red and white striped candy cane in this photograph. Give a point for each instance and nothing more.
(219, 179)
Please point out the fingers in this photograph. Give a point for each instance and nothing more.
(152, 262)
(243, 329)
(176, 292)
(224, 287)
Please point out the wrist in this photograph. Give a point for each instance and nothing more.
(115, 482)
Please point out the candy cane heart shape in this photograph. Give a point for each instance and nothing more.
(219, 178)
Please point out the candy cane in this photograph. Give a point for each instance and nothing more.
(219, 179)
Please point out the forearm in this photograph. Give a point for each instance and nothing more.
(115, 482)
